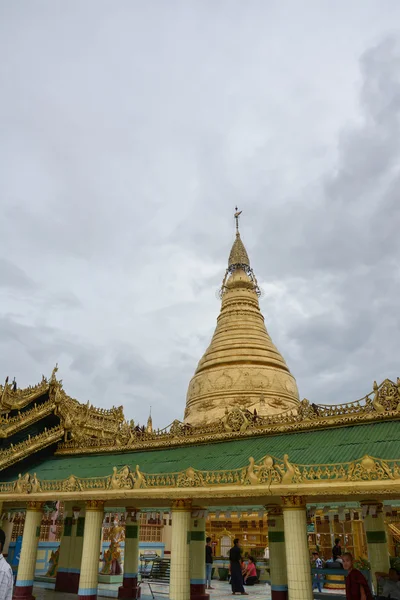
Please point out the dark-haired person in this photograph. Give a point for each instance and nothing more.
(318, 564)
(391, 584)
(209, 563)
(337, 549)
(250, 577)
(6, 574)
(357, 587)
(235, 559)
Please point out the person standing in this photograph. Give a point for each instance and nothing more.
(6, 574)
(209, 563)
(318, 564)
(235, 558)
(357, 587)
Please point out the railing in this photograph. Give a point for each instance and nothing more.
(340, 572)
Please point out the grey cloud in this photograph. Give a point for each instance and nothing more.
(123, 154)
(14, 277)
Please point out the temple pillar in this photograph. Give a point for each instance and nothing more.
(71, 546)
(27, 561)
(277, 553)
(296, 546)
(131, 556)
(180, 545)
(88, 581)
(374, 523)
(197, 555)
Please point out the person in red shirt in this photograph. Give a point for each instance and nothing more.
(357, 587)
(250, 577)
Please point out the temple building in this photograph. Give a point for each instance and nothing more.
(248, 459)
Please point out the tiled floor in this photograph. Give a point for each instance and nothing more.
(221, 591)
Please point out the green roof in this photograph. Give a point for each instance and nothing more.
(336, 445)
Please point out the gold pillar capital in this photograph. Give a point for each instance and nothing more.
(183, 504)
(273, 510)
(294, 502)
(34, 506)
(95, 505)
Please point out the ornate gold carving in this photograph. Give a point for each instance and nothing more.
(294, 502)
(95, 505)
(35, 506)
(273, 510)
(369, 469)
(125, 479)
(183, 504)
(240, 422)
(72, 484)
(190, 478)
(78, 422)
(267, 473)
(19, 451)
(14, 398)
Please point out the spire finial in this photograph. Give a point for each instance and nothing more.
(237, 215)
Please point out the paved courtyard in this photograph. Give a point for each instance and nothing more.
(221, 591)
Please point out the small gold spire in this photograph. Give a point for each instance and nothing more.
(149, 427)
(238, 254)
(237, 215)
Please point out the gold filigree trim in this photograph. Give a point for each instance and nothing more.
(268, 472)
(383, 403)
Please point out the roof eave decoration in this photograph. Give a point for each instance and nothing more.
(382, 404)
(270, 475)
(77, 421)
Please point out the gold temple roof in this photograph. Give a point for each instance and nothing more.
(241, 367)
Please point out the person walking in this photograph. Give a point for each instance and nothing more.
(318, 564)
(357, 587)
(209, 563)
(6, 574)
(235, 559)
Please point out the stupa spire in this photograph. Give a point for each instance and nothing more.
(241, 368)
(149, 427)
(238, 254)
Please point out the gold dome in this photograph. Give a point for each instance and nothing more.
(241, 367)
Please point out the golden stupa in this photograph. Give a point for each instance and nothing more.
(241, 368)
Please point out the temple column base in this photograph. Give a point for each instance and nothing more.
(129, 588)
(198, 591)
(67, 582)
(279, 592)
(23, 592)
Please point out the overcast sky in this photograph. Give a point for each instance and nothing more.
(128, 132)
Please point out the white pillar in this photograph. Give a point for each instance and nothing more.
(180, 544)
(88, 581)
(297, 555)
(30, 541)
(378, 552)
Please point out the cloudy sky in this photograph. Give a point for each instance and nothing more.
(128, 132)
